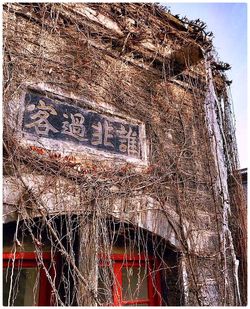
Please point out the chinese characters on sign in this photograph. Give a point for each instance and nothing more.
(45, 117)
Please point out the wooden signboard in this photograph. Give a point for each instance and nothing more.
(61, 121)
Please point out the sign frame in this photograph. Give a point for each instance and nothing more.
(67, 147)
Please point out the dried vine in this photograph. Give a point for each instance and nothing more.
(97, 207)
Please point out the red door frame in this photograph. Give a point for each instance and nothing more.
(29, 260)
(123, 260)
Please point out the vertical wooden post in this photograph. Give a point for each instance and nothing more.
(88, 260)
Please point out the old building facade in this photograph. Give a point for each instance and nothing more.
(118, 147)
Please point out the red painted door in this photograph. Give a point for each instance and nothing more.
(136, 283)
(25, 282)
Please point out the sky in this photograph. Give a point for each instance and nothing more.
(228, 22)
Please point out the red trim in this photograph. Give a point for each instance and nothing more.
(124, 260)
(150, 286)
(126, 257)
(45, 290)
(29, 260)
(25, 255)
(117, 288)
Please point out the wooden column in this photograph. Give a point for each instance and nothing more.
(88, 260)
